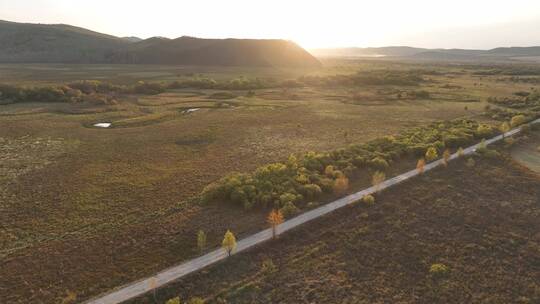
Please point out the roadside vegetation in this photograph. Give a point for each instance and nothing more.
(300, 180)
(410, 240)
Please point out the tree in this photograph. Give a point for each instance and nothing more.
(274, 219)
(152, 284)
(446, 157)
(229, 242)
(378, 178)
(201, 240)
(431, 154)
(341, 185)
(421, 166)
(505, 127)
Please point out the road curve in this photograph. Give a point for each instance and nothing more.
(168, 275)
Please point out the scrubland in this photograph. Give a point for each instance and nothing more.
(86, 209)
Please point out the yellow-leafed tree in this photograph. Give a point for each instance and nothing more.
(229, 242)
(201, 240)
(446, 157)
(378, 178)
(421, 165)
(274, 219)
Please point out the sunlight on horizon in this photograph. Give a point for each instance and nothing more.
(311, 24)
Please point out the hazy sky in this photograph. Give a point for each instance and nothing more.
(311, 23)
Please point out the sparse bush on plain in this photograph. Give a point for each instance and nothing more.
(268, 266)
(438, 269)
(368, 200)
(195, 300)
(174, 301)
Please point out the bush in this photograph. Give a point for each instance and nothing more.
(368, 200)
(289, 209)
(438, 269)
(174, 301)
(312, 190)
(378, 163)
(196, 300)
(518, 120)
(431, 154)
(484, 131)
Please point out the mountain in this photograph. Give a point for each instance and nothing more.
(131, 39)
(59, 43)
(405, 52)
(23, 42)
(226, 52)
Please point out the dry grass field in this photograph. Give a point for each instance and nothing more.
(85, 209)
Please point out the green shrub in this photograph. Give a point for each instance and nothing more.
(289, 209)
(312, 190)
(518, 120)
(431, 154)
(368, 200)
(484, 131)
(174, 301)
(438, 269)
(378, 163)
(196, 300)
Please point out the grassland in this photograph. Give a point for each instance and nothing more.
(86, 209)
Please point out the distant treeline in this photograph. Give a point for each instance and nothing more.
(509, 70)
(103, 92)
(521, 100)
(300, 180)
(91, 91)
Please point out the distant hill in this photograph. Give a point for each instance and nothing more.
(59, 43)
(228, 52)
(406, 52)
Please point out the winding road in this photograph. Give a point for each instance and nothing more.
(166, 276)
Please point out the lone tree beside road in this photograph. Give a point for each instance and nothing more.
(420, 166)
(274, 219)
(505, 127)
(229, 242)
(201, 240)
(378, 178)
(446, 157)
